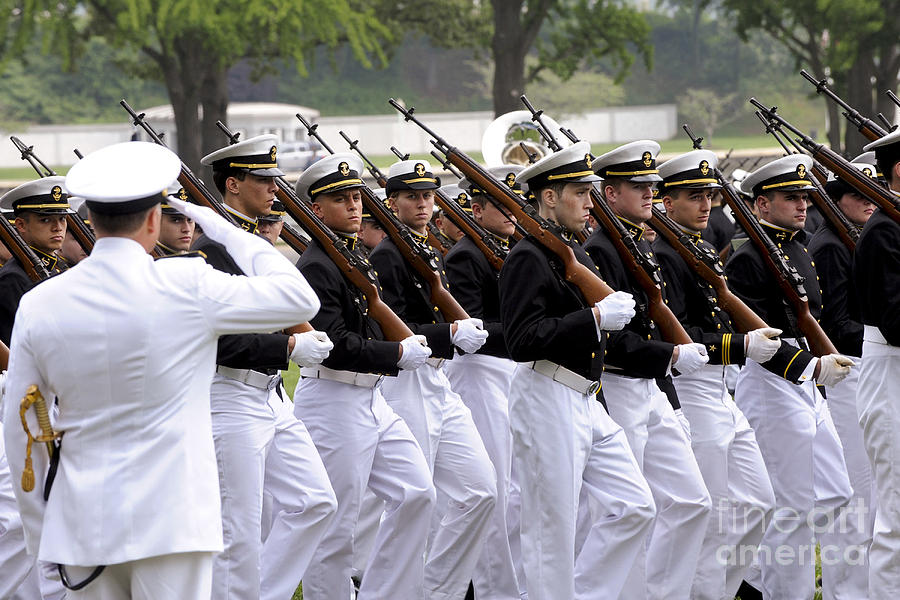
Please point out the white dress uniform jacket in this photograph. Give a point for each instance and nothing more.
(128, 347)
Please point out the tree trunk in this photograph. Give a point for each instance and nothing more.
(214, 100)
(509, 52)
(859, 96)
(183, 73)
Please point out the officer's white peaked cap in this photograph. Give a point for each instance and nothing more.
(125, 177)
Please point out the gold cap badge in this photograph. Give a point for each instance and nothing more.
(344, 169)
(420, 170)
(647, 159)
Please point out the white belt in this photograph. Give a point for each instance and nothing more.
(250, 377)
(365, 380)
(873, 334)
(568, 378)
(435, 362)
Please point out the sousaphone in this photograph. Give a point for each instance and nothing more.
(500, 144)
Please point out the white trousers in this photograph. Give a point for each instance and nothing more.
(461, 469)
(483, 383)
(806, 466)
(15, 563)
(250, 455)
(735, 475)
(363, 443)
(183, 576)
(879, 417)
(663, 452)
(845, 557)
(564, 441)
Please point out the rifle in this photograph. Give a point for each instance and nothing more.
(845, 230)
(788, 279)
(893, 97)
(644, 270)
(417, 255)
(839, 165)
(519, 233)
(866, 126)
(4, 356)
(33, 265)
(545, 232)
(706, 264)
(190, 182)
(355, 269)
(83, 234)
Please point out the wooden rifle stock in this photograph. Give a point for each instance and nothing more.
(591, 286)
(349, 265)
(789, 281)
(4, 356)
(742, 315)
(846, 231)
(669, 326)
(414, 252)
(33, 266)
(392, 326)
(493, 253)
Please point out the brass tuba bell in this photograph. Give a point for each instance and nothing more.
(502, 141)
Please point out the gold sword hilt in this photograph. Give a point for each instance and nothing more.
(48, 436)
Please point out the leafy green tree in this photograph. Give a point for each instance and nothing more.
(854, 42)
(573, 33)
(190, 44)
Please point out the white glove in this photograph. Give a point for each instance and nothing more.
(690, 358)
(469, 336)
(833, 369)
(415, 352)
(762, 344)
(310, 348)
(253, 254)
(616, 310)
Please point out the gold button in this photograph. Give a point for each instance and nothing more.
(593, 355)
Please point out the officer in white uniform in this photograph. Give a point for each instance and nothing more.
(565, 445)
(876, 265)
(779, 397)
(137, 486)
(722, 440)
(260, 445)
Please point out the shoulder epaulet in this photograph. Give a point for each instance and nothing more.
(191, 254)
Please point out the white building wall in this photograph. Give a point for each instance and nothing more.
(54, 144)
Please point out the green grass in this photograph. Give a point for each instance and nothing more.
(25, 173)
